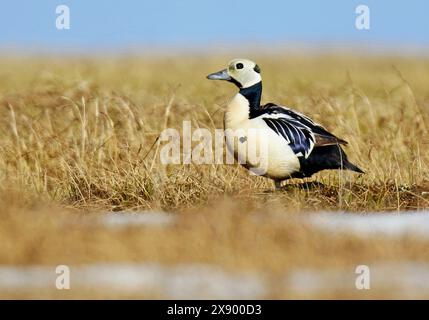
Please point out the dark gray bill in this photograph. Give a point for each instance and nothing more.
(221, 75)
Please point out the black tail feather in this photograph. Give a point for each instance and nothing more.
(326, 157)
(350, 166)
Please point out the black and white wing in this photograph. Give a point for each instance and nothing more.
(299, 136)
(301, 133)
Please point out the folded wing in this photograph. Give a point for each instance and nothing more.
(301, 133)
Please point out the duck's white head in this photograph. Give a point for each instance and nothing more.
(242, 72)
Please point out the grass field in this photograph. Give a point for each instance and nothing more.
(79, 138)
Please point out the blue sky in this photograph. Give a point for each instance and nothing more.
(193, 23)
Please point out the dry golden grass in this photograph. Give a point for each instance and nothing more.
(82, 132)
(78, 136)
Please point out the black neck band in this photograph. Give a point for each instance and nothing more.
(253, 95)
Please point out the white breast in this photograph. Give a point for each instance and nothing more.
(254, 142)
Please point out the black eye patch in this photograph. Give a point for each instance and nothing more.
(239, 66)
(257, 69)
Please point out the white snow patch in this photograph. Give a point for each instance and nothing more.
(387, 223)
(403, 280)
(175, 282)
(145, 218)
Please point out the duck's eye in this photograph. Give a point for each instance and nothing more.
(239, 66)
